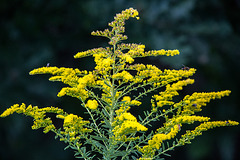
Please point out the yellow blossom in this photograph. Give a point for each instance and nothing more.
(127, 99)
(127, 127)
(92, 104)
(157, 139)
(91, 52)
(127, 116)
(126, 76)
(194, 102)
(165, 97)
(40, 121)
(127, 58)
(69, 118)
(189, 135)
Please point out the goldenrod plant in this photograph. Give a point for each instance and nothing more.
(107, 94)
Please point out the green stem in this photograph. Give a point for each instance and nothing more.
(112, 108)
(166, 150)
(72, 144)
(158, 116)
(113, 92)
(95, 124)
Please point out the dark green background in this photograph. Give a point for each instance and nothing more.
(36, 32)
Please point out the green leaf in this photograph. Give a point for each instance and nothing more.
(99, 138)
(66, 147)
(107, 84)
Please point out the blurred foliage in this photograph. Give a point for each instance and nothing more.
(37, 32)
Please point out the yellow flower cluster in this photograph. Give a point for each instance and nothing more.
(179, 120)
(187, 119)
(156, 142)
(73, 124)
(117, 26)
(169, 131)
(158, 138)
(66, 75)
(149, 74)
(73, 127)
(92, 104)
(126, 76)
(69, 118)
(193, 103)
(137, 50)
(173, 126)
(76, 79)
(126, 105)
(79, 90)
(102, 58)
(38, 114)
(126, 123)
(103, 64)
(161, 52)
(126, 58)
(90, 52)
(189, 135)
(165, 97)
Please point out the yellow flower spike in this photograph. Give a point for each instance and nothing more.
(125, 15)
(10, 111)
(181, 120)
(194, 102)
(38, 114)
(165, 97)
(158, 138)
(117, 26)
(44, 70)
(189, 135)
(190, 119)
(92, 104)
(101, 50)
(73, 92)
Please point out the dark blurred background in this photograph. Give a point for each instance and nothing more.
(34, 33)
